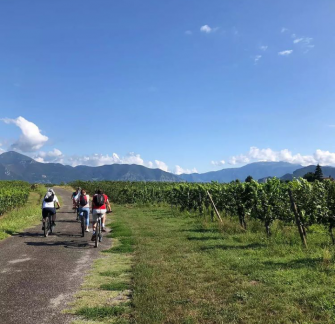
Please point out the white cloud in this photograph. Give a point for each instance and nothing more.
(269, 155)
(257, 58)
(305, 42)
(98, 159)
(263, 48)
(161, 165)
(206, 29)
(297, 40)
(31, 138)
(54, 156)
(1, 150)
(284, 30)
(238, 159)
(218, 163)
(179, 170)
(285, 53)
(131, 158)
(93, 160)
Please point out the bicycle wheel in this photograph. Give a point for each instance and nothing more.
(46, 226)
(97, 233)
(100, 233)
(50, 222)
(82, 225)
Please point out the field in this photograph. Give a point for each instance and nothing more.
(188, 267)
(20, 205)
(297, 202)
(174, 261)
(13, 194)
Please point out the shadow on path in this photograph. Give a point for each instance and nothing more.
(66, 244)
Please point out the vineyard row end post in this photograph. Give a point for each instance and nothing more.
(215, 209)
(297, 219)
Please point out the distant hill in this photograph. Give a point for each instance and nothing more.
(14, 165)
(257, 170)
(326, 170)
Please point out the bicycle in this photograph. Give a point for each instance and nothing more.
(48, 224)
(48, 227)
(82, 222)
(98, 235)
(78, 214)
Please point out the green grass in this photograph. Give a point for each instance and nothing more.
(183, 269)
(21, 218)
(115, 286)
(105, 294)
(187, 270)
(101, 312)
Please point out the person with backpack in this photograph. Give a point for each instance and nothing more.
(75, 196)
(84, 207)
(100, 203)
(48, 206)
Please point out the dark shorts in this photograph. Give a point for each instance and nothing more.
(46, 211)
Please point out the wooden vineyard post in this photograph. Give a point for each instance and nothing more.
(216, 211)
(297, 219)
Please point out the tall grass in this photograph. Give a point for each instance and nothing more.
(20, 218)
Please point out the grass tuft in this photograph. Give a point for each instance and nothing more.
(115, 286)
(93, 313)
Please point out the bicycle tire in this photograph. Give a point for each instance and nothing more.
(100, 233)
(82, 226)
(50, 222)
(97, 233)
(46, 226)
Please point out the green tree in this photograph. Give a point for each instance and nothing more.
(318, 173)
(248, 178)
(309, 176)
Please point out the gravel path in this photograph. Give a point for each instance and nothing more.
(38, 275)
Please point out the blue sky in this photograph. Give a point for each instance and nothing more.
(180, 85)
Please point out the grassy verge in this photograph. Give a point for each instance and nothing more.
(18, 219)
(186, 270)
(105, 294)
(189, 271)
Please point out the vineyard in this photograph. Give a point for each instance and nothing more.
(313, 203)
(13, 194)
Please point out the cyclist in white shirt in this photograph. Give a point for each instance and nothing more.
(48, 206)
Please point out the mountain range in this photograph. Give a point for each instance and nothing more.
(16, 166)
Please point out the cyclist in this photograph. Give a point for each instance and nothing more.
(99, 202)
(104, 219)
(48, 206)
(84, 207)
(74, 197)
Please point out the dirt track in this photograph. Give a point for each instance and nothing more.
(38, 275)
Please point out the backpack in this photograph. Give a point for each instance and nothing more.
(83, 201)
(50, 198)
(99, 200)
